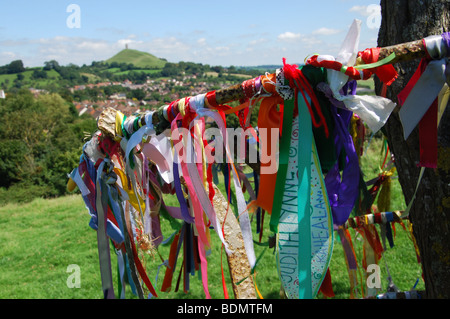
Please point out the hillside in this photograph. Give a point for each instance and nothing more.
(139, 59)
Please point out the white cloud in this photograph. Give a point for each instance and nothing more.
(306, 41)
(199, 49)
(123, 42)
(326, 31)
(166, 46)
(310, 41)
(372, 13)
(361, 10)
(289, 36)
(14, 42)
(65, 50)
(366, 11)
(201, 42)
(258, 41)
(7, 57)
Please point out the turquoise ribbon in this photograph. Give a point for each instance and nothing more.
(304, 207)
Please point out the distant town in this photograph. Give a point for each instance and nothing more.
(154, 93)
(131, 81)
(170, 89)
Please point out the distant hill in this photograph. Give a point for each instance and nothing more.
(140, 59)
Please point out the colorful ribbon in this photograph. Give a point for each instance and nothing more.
(343, 190)
(419, 100)
(302, 203)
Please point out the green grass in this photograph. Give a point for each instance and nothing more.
(116, 71)
(138, 58)
(371, 163)
(8, 79)
(39, 240)
(42, 238)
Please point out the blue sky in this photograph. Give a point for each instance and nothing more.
(240, 33)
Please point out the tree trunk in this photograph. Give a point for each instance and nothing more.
(404, 21)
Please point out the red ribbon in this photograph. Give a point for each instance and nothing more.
(428, 137)
(170, 111)
(386, 73)
(299, 83)
(337, 66)
(249, 88)
(211, 98)
(327, 287)
(428, 123)
(140, 267)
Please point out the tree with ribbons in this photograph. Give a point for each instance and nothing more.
(422, 159)
(306, 175)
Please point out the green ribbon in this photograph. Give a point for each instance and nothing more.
(127, 136)
(376, 64)
(124, 131)
(285, 141)
(252, 271)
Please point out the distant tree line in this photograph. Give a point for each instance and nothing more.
(72, 74)
(12, 68)
(41, 140)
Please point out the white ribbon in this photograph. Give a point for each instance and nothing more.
(197, 102)
(137, 136)
(373, 110)
(197, 182)
(422, 95)
(244, 219)
(75, 176)
(160, 152)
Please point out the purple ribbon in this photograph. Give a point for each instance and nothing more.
(352, 263)
(446, 40)
(177, 183)
(343, 192)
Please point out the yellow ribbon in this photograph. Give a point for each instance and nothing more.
(119, 119)
(181, 106)
(133, 198)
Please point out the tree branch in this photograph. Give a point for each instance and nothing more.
(403, 52)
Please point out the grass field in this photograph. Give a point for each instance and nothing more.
(39, 240)
(137, 58)
(116, 71)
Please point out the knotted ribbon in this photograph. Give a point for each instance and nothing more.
(419, 99)
(373, 110)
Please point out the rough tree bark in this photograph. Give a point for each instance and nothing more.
(404, 21)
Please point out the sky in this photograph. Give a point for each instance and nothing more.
(225, 33)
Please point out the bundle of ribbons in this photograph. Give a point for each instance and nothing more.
(132, 164)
